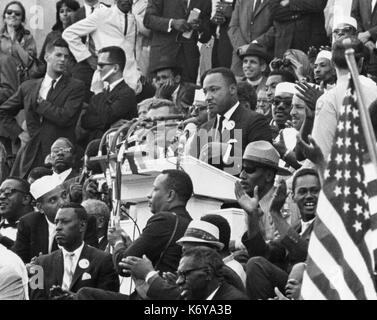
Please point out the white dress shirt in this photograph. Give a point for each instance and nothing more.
(210, 297)
(62, 176)
(51, 234)
(106, 28)
(77, 253)
(8, 232)
(305, 225)
(373, 4)
(46, 86)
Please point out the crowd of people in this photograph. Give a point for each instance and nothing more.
(263, 107)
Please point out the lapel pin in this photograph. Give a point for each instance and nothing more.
(83, 263)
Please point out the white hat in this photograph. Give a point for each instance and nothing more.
(200, 96)
(202, 232)
(285, 87)
(324, 54)
(338, 20)
(44, 185)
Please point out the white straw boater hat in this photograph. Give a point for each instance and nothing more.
(43, 186)
(202, 232)
(264, 153)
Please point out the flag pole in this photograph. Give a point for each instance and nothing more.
(363, 108)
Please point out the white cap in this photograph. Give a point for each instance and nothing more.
(44, 185)
(200, 96)
(338, 20)
(285, 87)
(324, 54)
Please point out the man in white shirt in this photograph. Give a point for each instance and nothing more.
(76, 264)
(114, 26)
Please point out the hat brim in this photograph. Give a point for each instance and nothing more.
(280, 171)
(197, 240)
(267, 58)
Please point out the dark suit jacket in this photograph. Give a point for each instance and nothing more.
(101, 270)
(366, 19)
(185, 95)
(154, 239)
(284, 252)
(32, 236)
(164, 44)
(107, 108)
(247, 26)
(8, 77)
(229, 292)
(298, 26)
(59, 117)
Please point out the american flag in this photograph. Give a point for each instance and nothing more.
(341, 261)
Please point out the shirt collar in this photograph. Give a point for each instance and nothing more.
(230, 112)
(88, 8)
(62, 176)
(256, 82)
(48, 79)
(210, 297)
(305, 225)
(77, 252)
(114, 84)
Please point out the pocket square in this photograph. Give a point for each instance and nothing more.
(86, 276)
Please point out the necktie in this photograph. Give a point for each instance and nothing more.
(219, 127)
(68, 271)
(51, 90)
(92, 9)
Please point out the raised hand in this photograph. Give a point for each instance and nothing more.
(292, 289)
(279, 295)
(279, 197)
(309, 94)
(311, 151)
(166, 90)
(280, 145)
(180, 25)
(247, 203)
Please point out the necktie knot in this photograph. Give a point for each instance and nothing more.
(91, 9)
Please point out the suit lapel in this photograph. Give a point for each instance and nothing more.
(79, 271)
(260, 8)
(35, 93)
(58, 88)
(43, 234)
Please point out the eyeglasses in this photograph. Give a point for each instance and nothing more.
(8, 192)
(185, 273)
(64, 150)
(249, 170)
(100, 65)
(17, 13)
(286, 102)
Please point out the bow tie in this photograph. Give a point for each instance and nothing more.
(5, 225)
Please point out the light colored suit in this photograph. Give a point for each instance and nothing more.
(106, 28)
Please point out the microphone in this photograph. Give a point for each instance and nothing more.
(166, 118)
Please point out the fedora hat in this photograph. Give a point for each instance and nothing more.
(255, 50)
(166, 63)
(199, 231)
(264, 153)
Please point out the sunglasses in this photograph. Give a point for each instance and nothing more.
(64, 150)
(184, 274)
(286, 102)
(16, 13)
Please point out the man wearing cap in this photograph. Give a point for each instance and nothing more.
(75, 264)
(271, 261)
(169, 85)
(343, 26)
(365, 14)
(36, 230)
(324, 71)
(254, 64)
(260, 165)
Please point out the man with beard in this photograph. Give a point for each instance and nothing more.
(271, 262)
(15, 202)
(324, 71)
(75, 264)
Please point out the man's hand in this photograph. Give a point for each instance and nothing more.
(280, 145)
(364, 36)
(57, 293)
(279, 295)
(92, 61)
(247, 203)
(309, 94)
(180, 25)
(90, 190)
(171, 278)
(115, 234)
(371, 46)
(311, 151)
(75, 192)
(195, 24)
(139, 267)
(292, 289)
(166, 90)
(279, 197)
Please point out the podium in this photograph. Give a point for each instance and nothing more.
(212, 188)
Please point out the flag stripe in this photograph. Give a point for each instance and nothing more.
(332, 246)
(310, 290)
(335, 225)
(325, 288)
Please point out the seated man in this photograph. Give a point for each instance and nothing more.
(15, 202)
(324, 70)
(63, 160)
(271, 262)
(117, 102)
(52, 106)
(75, 264)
